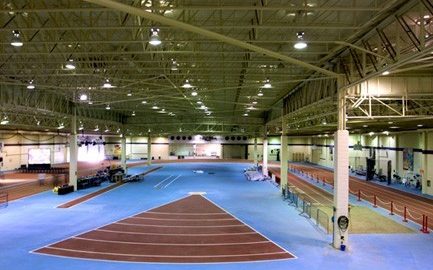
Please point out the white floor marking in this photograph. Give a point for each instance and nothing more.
(167, 256)
(175, 226)
(197, 193)
(171, 244)
(250, 227)
(162, 181)
(93, 229)
(193, 214)
(185, 219)
(172, 181)
(174, 234)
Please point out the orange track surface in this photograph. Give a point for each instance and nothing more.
(189, 230)
(416, 205)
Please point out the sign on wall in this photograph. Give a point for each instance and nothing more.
(408, 159)
(39, 156)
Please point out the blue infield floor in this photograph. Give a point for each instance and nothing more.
(31, 223)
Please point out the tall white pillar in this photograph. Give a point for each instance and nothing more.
(149, 150)
(255, 151)
(341, 175)
(424, 164)
(73, 151)
(284, 155)
(123, 154)
(265, 156)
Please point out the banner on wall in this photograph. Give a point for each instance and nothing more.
(408, 159)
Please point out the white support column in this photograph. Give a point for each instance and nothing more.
(341, 174)
(424, 164)
(123, 154)
(255, 151)
(73, 151)
(284, 153)
(149, 150)
(265, 156)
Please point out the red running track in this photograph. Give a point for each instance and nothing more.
(416, 205)
(189, 230)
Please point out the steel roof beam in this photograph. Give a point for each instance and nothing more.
(200, 31)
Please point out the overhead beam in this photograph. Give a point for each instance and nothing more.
(197, 30)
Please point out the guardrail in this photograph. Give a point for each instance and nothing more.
(306, 207)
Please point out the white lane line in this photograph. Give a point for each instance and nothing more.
(171, 244)
(172, 181)
(254, 230)
(162, 181)
(174, 234)
(167, 256)
(175, 226)
(186, 214)
(111, 222)
(185, 219)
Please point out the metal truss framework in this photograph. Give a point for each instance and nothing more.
(226, 49)
(401, 46)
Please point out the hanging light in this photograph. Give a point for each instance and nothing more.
(254, 102)
(108, 107)
(129, 94)
(90, 102)
(106, 130)
(70, 64)
(260, 94)
(83, 97)
(154, 38)
(245, 114)
(300, 44)
(81, 127)
(386, 72)
(174, 65)
(199, 102)
(267, 84)
(96, 128)
(133, 113)
(144, 102)
(194, 93)
(61, 126)
(107, 84)
(5, 120)
(187, 84)
(155, 107)
(16, 39)
(31, 85)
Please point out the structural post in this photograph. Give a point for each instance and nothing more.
(255, 151)
(284, 154)
(73, 151)
(123, 155)
(341, 174)
(424, 164)
(265, 156)
(149, 150)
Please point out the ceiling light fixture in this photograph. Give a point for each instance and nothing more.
(144, 102)
(260, 94)
(61, 126)
(300, 44)
(267, 84)
(70, 64)
(154, 38)
(107, 84)
(31, 86)
(4, 120)
(386, 72)
(129, 94)
(16, 39)
(83, 97)
(194, 93)
(187, 84)
(108, 107)
(174, 65)
(245, 114)
(155, 107)
(96, 128)
(133, 113)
